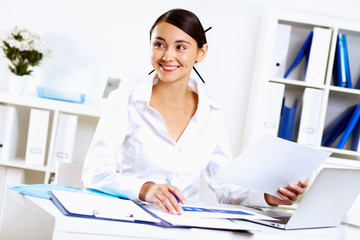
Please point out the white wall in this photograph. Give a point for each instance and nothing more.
(94, 38)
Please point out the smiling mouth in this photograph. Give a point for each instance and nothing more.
(168, 68)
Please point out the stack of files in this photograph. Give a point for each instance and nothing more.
(37, 136)
(8, 132)
(287, 121)
(62, 96)
(65, 138)
(342, 77)
(77, 204)
(316, 50)
(342, 128)
(310, 117)
(282, 41)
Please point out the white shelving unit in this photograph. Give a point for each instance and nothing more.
(88, 116)
(334, 99)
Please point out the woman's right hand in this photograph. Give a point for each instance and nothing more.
(163, 195)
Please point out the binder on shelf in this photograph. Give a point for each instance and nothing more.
(281, 50)
(8, 132)
(303, 52)
(355, 137)
(65, 138)
(357, 85)
(310, 116)
(349, 127)
(318, 56)
(37, 136)
(272, 111)
(334, 130)
(287, 121)
(342, 77)
(9, 176)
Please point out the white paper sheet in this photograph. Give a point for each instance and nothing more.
(186, 220)
(272, 162)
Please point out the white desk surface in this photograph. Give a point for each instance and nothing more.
(34, 218)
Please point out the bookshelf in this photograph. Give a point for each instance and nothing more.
(88, 116)
(334, 100)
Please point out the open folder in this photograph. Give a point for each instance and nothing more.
(80, 204)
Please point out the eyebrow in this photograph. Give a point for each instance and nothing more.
(177, 41)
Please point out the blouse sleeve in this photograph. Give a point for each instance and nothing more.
(100, 168)
(228, 193)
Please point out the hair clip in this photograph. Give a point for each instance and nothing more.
(208, 29)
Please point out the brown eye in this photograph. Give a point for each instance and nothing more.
(181, 47)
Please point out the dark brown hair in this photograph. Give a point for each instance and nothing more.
(186, 21)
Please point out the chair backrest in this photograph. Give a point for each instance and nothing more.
(68, 174)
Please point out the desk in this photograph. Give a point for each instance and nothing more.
(34, 218)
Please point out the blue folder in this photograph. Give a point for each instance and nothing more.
(349, 128)
(357, 86)
(287, 121)
(355, 137)
(342, 76)
(42, 190)
(304, 51)
(334, 130)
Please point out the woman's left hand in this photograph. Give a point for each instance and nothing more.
(288, 195)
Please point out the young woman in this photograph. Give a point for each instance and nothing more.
(168, 130)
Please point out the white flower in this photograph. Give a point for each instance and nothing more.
(17, 44)
(11, 42)
(5, 37)
(24, 46)
(25, 36)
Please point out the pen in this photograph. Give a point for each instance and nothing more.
(168, 181)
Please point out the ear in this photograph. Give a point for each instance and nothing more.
(202, 52)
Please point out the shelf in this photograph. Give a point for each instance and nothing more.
(36, 102)
(344, 90)
(340, 162)
(294, 82)
(323, 107)
(20, 163)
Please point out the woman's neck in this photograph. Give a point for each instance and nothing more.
(174, 93)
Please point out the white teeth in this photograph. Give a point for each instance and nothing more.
(169, 68)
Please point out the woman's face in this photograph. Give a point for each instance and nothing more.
(173, 53)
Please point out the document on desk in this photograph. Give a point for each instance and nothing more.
(189, 220)
(96, 206)
(272, 162)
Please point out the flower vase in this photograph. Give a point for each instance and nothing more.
(17, 84)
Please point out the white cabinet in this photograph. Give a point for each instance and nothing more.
(88, 116)
(334, 99)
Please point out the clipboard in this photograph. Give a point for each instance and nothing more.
(77, 204)
(147, 216)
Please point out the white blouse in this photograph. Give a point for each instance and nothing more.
(131, 146)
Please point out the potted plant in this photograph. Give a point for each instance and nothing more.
(24, 49)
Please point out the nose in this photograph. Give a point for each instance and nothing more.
(169, 55)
